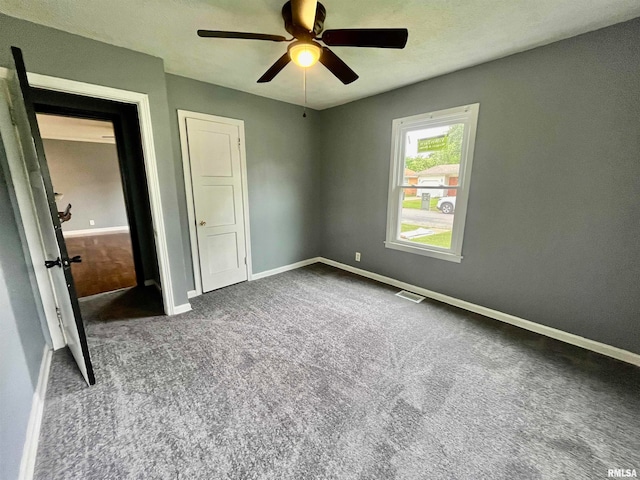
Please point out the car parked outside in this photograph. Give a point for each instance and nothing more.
(446, 205)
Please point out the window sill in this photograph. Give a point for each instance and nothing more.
(450, 257)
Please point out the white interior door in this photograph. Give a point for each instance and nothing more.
(216, 176)
(46, 213)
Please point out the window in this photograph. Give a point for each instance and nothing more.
(429, 181)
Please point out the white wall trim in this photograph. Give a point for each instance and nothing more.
(245, 195)
(102, 294)
(594, 346)
(192, 293)
(286, 268)
(184, 308)
(153, 283)
(566, 337)
(188, 188)
(30, 449)
(141, 101)
(95, 231)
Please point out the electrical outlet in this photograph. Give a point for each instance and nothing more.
(92, 222)
(357, 256)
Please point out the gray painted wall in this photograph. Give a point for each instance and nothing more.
(88, 174)
(283, 170)
(57, 53)
(552, 225)
(21, 340)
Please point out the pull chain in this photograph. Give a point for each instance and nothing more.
(304, 87)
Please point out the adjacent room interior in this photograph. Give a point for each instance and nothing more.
(83, 162)
(412, 259)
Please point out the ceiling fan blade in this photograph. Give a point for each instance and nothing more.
(275, 68)
(304, 13)
(337, 66)
(367, 37)
(241, 35)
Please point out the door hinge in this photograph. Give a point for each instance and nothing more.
(61, 325)
(238, 142)
(245, 260)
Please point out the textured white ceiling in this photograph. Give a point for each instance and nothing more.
(57, 127)
(444, 36)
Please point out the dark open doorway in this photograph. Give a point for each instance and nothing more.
(83, 165)
(118, 250)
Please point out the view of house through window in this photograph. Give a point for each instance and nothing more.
(432, 163)
(428, 191)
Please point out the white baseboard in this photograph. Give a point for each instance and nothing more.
(102, 294)
(30, 449)
(178, 309)
(594, 346)
(602, 348)
(192, 293)
(286, 268)
(95, 231)
(153, 283)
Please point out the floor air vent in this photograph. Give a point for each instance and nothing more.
(413, 297)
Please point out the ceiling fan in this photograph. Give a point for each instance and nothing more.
(304, 19)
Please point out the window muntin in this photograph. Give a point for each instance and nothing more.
(429, 182)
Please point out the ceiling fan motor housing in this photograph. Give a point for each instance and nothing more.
(299, 32)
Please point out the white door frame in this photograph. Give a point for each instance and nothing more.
(188, 188)
(141, 101)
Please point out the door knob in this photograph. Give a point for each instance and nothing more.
(68, 261)
(52, 263)
(202, 223)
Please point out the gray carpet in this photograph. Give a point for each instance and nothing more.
(320, 374)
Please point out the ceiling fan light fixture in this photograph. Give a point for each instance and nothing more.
(304, 27)
(305, 54)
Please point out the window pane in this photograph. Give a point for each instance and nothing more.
(427, 220)
(432, 159)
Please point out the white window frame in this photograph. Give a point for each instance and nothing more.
(466, 114)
